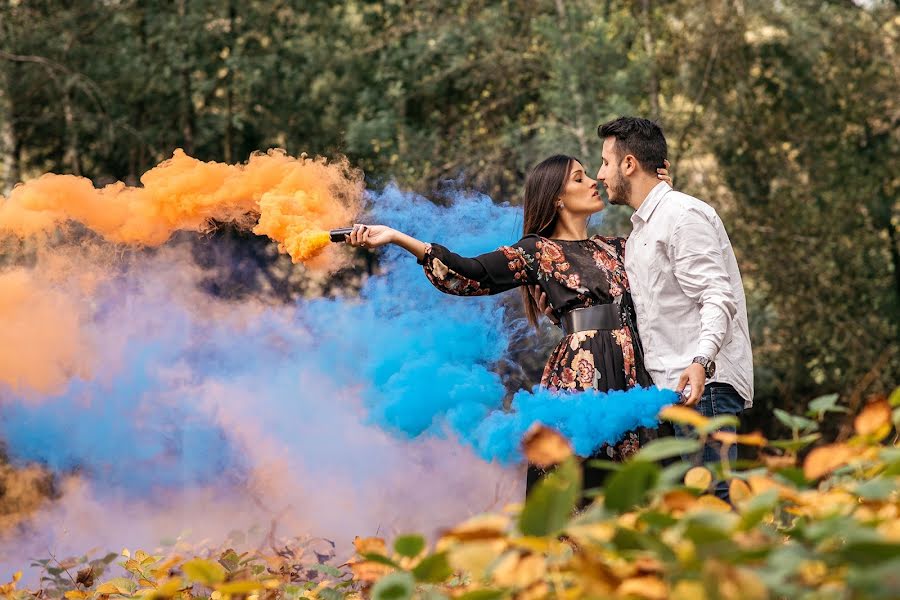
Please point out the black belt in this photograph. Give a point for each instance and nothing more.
(602, 316)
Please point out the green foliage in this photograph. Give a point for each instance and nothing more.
(831, 532)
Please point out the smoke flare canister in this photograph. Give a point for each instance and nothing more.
(337, 235)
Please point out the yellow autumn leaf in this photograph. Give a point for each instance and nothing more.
(369, 570)
(75, 595)
(370, 545)
(481, 527)
(518, 570)
(537, 591)
(678, 501)
(545, 447)
(203, 571)
(687, 589)
(648, 586)
(874, 419)
(710, 502)
(132, 565)
(163, 568)
(591, 533)
(775, 462)
(684, 415)
(698, 478)
(739, 491)
(747, 439)
(239, 587)
(111, 588)
(825, 459)
(475, 557)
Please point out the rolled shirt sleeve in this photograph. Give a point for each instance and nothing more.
(699, 267)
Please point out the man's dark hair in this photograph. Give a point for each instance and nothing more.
(639, 137)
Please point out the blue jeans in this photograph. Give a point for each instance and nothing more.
(717, 399)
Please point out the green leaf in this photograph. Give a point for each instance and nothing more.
(870, 552)
(795, 422)
(879, 488)
(824, 404)
(380, 558)
(797, 444)
(756, 509)
(658, 520)
(717, 423)
(894, 399)
(673, 475)
(409, 545)
(628, 487)
(330, 594)
(551, 502)
(327, 569)
(203, 571)
(879, 581)
(706, 528)
(395, 586)
(230, 560)
(794, 475)
(433, 569)
(667, 447)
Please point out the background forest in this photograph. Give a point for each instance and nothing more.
(783, 115)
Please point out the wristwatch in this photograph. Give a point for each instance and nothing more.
(708, 365)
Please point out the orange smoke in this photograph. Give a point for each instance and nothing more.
(294, 201)
(41, 341)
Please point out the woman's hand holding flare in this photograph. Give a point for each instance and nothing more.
(375, 236)
(370, 236)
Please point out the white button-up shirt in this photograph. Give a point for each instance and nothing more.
(687, 291)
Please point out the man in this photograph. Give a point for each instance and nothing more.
(684, 278)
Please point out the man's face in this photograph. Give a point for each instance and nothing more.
(618, 187)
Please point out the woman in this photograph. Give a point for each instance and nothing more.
(583, 278)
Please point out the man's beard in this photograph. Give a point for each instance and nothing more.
(620, 190)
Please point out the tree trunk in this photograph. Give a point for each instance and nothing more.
(9, 159)
(646, 13)
(229, 81)
(187, 106)
(71, 157)
(577, 128)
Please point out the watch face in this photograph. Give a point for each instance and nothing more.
(710, 369)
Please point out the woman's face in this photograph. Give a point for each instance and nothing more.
(580, 195)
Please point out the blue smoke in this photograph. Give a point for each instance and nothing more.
(421, 361)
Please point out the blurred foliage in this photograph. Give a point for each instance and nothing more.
(783, 115)
(803, 523)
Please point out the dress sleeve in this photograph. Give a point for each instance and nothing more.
(494, 272)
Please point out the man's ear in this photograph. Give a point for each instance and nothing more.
(629, 164)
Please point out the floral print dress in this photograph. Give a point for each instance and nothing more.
(573, 274)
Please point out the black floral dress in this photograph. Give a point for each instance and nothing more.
(573, 274)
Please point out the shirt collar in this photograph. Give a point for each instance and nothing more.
(651, 202)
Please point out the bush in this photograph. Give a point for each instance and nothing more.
(819, 523)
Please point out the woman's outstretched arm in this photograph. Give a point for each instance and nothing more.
(374, 236)
(490, 273)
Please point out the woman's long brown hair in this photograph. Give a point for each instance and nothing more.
(543, 187)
